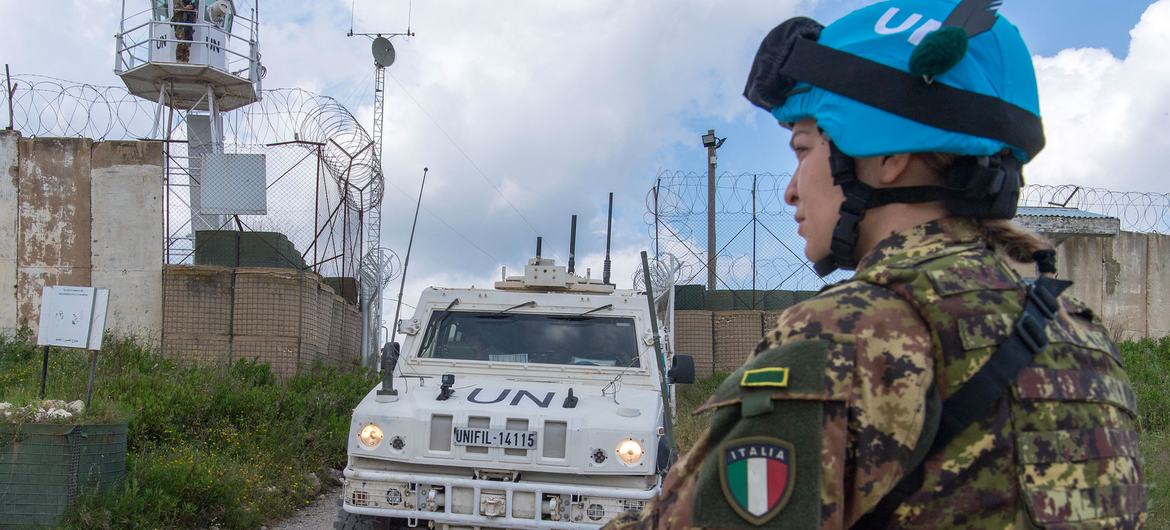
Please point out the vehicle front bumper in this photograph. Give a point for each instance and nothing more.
(487, 503)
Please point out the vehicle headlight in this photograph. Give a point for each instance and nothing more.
(630, 452)
(370, 436)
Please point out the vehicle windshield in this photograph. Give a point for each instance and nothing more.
(524, 338)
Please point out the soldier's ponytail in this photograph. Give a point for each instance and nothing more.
(1001, 235)
(1010, 239)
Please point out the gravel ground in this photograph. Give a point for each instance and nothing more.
(318, 515)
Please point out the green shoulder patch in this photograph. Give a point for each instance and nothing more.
(752, 478)
(758, 475)
(764, 377)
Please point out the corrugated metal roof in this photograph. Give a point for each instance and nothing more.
(1056, 211)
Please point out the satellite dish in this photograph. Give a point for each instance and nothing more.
(383, 52)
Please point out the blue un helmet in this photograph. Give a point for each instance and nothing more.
(909, 76)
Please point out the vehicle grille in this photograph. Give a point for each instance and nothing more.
(441, 425)
(555, 433)
(554, 436)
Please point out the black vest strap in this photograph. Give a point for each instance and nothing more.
(979, 394)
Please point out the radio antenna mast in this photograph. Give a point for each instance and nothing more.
(384, 56)
(406, 263)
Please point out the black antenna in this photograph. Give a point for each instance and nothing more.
(608, 232)
(572, 244)
(537, 247)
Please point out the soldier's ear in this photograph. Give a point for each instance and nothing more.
(892, 168)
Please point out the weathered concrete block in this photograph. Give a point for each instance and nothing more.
(126, 197)
(1158, 288)
(9, 172)
(53, 245)
(1125, 284)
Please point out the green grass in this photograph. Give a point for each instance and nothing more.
(231, 447)
(1148, 364)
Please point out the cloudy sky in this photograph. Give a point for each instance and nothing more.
(528, 111)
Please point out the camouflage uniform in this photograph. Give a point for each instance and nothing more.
(186, 13)
(868, 360)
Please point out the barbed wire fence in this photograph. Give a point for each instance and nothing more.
(1138, 211)
(321, 176)
(758, 253)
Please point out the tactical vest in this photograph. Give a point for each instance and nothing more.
(1057, 450)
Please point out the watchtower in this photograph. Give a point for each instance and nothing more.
(190, 55)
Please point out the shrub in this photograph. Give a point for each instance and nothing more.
(208, 446)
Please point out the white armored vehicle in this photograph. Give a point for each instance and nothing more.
(537, 404)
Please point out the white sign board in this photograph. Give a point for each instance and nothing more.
(73, 317)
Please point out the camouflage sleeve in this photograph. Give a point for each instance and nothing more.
(855, 361)
(870, 438)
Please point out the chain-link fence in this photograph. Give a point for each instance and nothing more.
(759, 257)
(290, 184)
(313, 176)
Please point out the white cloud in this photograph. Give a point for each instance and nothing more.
(1105, 117)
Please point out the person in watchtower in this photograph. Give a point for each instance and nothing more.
(186, 13)
(935, 388)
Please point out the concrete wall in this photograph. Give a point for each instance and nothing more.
(127, 233)
(53, 217)
(75, 212)
(1125, 279)
(9, 169)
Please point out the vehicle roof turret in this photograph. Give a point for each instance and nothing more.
(543, 274)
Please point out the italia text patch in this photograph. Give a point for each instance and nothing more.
(758, 476)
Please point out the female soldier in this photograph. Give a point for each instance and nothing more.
(935, 388)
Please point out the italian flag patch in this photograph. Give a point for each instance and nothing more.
(757, 475)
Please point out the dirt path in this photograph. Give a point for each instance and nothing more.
(318, 515)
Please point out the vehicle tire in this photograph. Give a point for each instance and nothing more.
(353, 521)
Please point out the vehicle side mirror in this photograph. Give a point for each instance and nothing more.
(682, 370)
(390, 354)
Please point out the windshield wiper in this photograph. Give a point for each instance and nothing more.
(594, 310)
(439, 323)
(530, 303)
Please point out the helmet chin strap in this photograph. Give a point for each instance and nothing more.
(860, 197)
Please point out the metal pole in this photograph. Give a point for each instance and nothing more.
(753, 241)
(44, 371)
(608, 234)
(711, 248)
(573, 245)
(89, 386)
(11, 91)
(316, 216)
(666, 416)
(213, 114)
(410, 243)
(657, 184)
